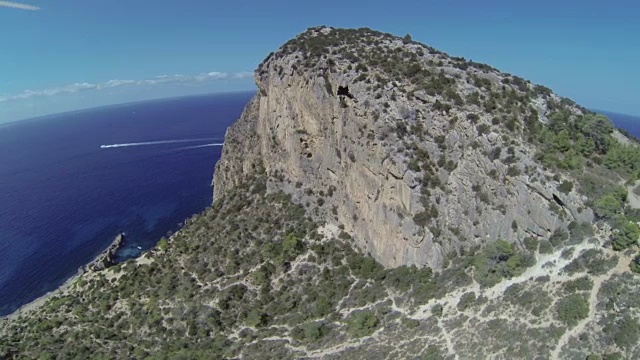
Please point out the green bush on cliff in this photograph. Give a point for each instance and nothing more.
(583, 283)
(499, 260)
(466, 301)
(626, 236)
(578, 232)
(635, 264)
(163, 244)
(611, 204)
(362, 323)
(531, 243)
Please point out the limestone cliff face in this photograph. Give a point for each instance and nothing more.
(400, 144)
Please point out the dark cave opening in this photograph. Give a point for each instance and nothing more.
(557, 199)
(344, 91)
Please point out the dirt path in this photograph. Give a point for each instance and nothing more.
(447, 338)
(547, 264)
(634, 200)
(593, 302)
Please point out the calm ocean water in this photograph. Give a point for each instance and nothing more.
(627, 122)
(63, 198)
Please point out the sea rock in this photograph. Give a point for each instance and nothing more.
(107, 257)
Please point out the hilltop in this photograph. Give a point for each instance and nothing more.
(379, 198)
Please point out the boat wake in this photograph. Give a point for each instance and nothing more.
(201, 146)
(161, 142)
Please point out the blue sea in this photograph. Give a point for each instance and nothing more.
(622, 121)
(64, 198)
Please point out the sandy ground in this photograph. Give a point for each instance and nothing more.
(634, 200)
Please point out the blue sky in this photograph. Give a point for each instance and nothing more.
(75, 54)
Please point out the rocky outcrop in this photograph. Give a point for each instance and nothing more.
(107, 257)
(412, 173)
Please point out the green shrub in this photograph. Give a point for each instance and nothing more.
(482, 129)
(362, 323)
(608, 206)
(572, 309)
(256, 318)
(546, 247)
(436, 310)
(625, 332)
(626, 236)
(567, 253)
(494, 153)
(314, 331)
(623, 159)
(513, 171)
(473, 117)
(499, 260)
(433, 353)
(583, 283)
(612, 356)
(363, 266)
(410, 323)
(292, 245)
(423, 218)
(579, 231)
(531, 243)
(635, 264)
(466, 300)
(558, 238)
(163, 244)
(565, 187)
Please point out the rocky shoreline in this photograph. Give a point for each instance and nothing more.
(103, 261)
(107, 257)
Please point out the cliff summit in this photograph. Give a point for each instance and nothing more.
(421, 156)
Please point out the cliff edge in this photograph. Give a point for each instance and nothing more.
(420, 155)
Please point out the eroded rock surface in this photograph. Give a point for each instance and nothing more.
(410, 178)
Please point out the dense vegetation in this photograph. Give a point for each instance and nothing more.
(253, 264)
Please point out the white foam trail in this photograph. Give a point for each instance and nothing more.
(151, 143)
(201, 146)
(14, 5)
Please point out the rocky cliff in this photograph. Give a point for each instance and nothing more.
(419, 155)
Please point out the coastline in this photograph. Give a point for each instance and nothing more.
(40, 301)
(170, 199)
(99, 263)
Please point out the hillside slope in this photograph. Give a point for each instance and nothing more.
(362, 155)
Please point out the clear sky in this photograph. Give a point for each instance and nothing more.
(75, 54)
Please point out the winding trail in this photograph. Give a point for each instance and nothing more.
(593, 302)
(447, 339)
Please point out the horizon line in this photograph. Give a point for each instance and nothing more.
(41, 117)
(212, 93)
